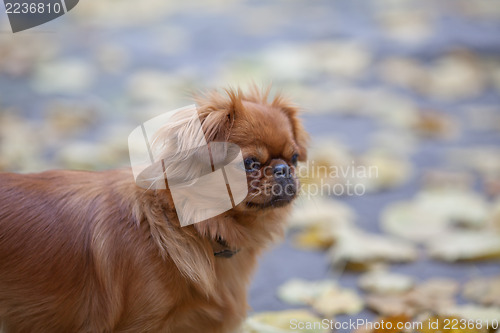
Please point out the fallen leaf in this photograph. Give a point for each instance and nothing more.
(408, 25)
(389, 305)
(65, 76)
(399, 142)
(22, 54)
(300, 292)
(338, 301)
(70, 117)
(112, 58)
(21, 145)
(157, 87)
(325, 297)
(446, 179)
(440, 79)
(402, 71)
(483, 290)
(281, 321)
(483, 159)
(327, 158)
(433, 124)
(314, 238)
(319, 220)
(474, 312)
(432, 295)
(384, 171)
(435, 212)
(359, 249)
(465, 245)
(319, 211)
(384, 282)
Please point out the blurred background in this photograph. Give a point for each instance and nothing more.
(408, 87)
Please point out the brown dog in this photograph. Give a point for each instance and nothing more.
(94, 252)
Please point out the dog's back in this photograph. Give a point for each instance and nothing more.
(49, 274)
(44, 264)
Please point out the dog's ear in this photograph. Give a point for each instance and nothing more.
(194, 259)
(192, 256)
(299, 133)
(217, 113)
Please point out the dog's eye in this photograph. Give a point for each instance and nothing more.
(251, 164)
(295, 159)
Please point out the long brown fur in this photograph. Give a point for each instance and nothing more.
(93, 252)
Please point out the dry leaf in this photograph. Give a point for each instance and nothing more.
(336, 171)
(405, 72)
(389, 305)
(399, 142)
(485, 291)
(282, 322)
(356, 248)
(384, 282)
(406, 25)
(70, 117)
(432, 295)
(435, 124)
(320, 221)
(385, 171)
(326, 159)
(444, 79)
(314, 238)
(338, 301)
(474, 312)
(465, 245)
(345, 59)
(112, 58)
(300, 292)
(435, 212)
(319, 211)
(156, 87)
(439, 179)
(21, 145)
(21, 54)
(326, 297)
(482, 159)
(66, 76)
(287, 61)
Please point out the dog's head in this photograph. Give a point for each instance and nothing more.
(271, 137)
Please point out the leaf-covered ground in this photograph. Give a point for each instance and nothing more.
(402, 99)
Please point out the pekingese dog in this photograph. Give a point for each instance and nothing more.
(94, 252)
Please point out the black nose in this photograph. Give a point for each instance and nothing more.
(282, 171)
